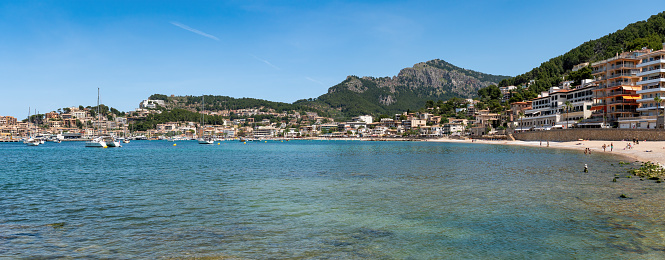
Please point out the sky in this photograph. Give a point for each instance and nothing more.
(56, 54)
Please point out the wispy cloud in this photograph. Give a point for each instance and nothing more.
(195, 31)
(265, 61)
(315, 81)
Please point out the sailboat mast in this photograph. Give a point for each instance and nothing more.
(203, 115)
(99, 131)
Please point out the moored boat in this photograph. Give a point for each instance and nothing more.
(206, 140)
(111, 142)
(32, 142)
(96, 143)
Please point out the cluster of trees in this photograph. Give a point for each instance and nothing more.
(229, 103)
(490, 98)
(446, 109)
(182, 115)
(216, 103)
(649, 34)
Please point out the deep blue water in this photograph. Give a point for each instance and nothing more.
(322, 199)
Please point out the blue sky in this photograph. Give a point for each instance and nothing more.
(57, 53)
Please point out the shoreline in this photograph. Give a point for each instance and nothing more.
(653, 151)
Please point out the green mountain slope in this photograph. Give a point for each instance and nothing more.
(649, 33)
(409, 90)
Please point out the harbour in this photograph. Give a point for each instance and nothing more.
(322, 199)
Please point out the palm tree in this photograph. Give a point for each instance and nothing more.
(520, 115)
(568, 106)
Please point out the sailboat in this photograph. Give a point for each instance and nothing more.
(125, 139)
(204, 139)
(97, 141)
(31, 141)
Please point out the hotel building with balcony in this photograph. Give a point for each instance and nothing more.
(652, 83)
(616, 93)
(551, 110)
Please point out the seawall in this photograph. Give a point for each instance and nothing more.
(566, 135)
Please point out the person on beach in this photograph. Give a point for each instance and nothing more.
(586, 168)
(548, 143)
(611, 147)
(604, 147)
(585, 150)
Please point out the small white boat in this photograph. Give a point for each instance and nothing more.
(96, 143)
(206, 140)
(111, 142)
(32, 142)
(125, 141)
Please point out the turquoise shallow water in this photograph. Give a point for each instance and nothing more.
(322, 199)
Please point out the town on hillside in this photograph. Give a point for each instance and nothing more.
(624, 91)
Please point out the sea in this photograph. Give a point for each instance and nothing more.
(310, 199)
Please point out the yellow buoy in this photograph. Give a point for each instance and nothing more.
(173, 144)
(217, 143)
(244, 142)
(266, 141)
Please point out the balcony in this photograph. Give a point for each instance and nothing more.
(638, 117)
(598, 71)
(616, 75)
(620, 83)
(649, 108)
(614, 93)
(655, 61)
(624, 101)
(651, 90)
(622, 111)
(647, 72)
(651, 80)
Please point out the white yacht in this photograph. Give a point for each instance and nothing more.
(97, 142)
(32, 142)
(111, 142)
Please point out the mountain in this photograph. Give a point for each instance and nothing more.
(409, 90)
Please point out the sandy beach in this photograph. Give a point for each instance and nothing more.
(653, 151)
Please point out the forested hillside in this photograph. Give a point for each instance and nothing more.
(409, 90)
(649, 34)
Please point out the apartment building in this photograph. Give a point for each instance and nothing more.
(7, 120)
(562, 108)
(576, 106)
(485, 118)
(616, 92)
(652, 85)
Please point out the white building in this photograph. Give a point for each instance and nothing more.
(265, 131)
(453, 128)
(652, 82)
(551, 109)
(150, 103)
(366, 118)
